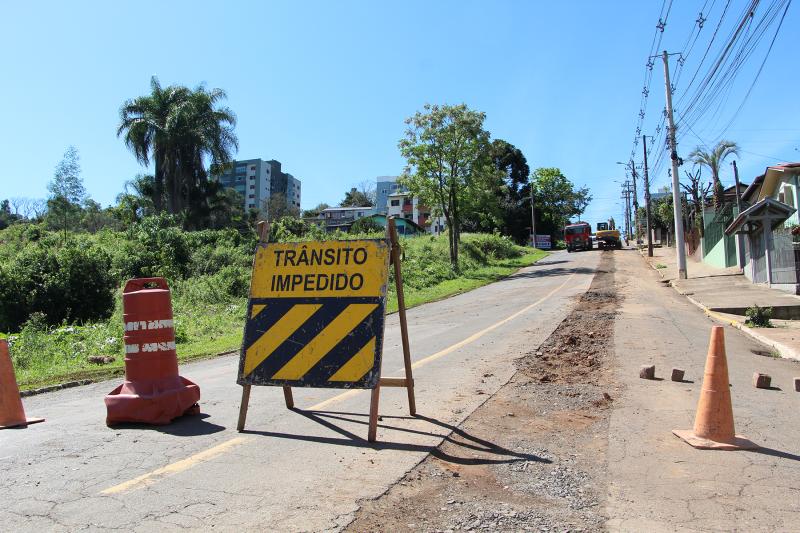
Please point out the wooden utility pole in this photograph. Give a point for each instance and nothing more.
(647, 200)
(533, 220)
(626, 195)
(636, 224)
(676, 193)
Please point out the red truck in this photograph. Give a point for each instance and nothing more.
(578, 236)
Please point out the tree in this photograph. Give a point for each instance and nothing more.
(94, 217)
(698, 193)
(713, 160)
(66, 190)
(6, 216)
(276, 207)
(557, 199)
(315, 212)
(227, 210)
(178, 128)
(503, 203)
(357, 198)
(445, 148)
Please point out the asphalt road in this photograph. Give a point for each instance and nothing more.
(305, 469)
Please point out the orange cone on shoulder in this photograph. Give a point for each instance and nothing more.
(12, 414)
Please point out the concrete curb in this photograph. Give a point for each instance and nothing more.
(51, 388)
(786, 352)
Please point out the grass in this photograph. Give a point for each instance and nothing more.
(660, 266)
(205, 327)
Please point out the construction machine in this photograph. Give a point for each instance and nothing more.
(607, 238)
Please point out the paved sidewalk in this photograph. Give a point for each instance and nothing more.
(724, 294)
(657, 481)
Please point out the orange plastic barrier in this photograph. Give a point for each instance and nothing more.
(153, 392)
(12, 414)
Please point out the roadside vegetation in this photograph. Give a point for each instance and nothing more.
(61, 304)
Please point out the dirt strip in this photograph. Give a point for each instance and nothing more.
(533, 456)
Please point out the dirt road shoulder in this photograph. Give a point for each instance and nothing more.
(533, 455)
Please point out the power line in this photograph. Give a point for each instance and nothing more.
(717, 84)
(760, 68)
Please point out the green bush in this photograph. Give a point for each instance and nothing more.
(494, 245)
(758, 317)
(367, 225)
(157, 247)
(288, 229)
(71, 284)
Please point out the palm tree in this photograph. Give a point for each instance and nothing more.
(713, 160)
(204, 131)
(179, 129)
(146, 122)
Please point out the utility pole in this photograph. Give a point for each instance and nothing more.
(636, 227)
(626, 195)
(533, 219)
(647, 200)
(676, 193)
(739, 236)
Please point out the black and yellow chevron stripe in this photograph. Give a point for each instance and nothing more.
(313, 342)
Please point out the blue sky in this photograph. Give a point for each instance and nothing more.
(324, 87)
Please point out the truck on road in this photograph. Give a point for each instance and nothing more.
(607, 238)
(578, 236)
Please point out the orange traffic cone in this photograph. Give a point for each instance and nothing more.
(11, 412)
(713, 424)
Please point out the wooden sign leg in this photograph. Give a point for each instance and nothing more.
(401, 310)
(263, 238)
(243, 407)
(373, 413)
(287, 395)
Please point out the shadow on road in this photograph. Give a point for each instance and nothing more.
(776, 453)
(458, 437)
(184, 426)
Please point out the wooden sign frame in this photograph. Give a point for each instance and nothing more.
(407, 381)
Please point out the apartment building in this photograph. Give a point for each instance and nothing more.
(256, 180)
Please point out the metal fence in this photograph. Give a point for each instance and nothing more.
(783, 257)
(714, 232)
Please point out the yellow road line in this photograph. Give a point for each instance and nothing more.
(174, 468)
(189, 462)
(481, 333)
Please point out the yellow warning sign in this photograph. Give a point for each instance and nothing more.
(316, 314)
(321, 269)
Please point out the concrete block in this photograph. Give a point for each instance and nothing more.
(677, 374)
(761, 381)
(797, 384)
(647, 371)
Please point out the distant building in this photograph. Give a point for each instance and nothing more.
(391, 199)
(385, 185)
(257, 180)
(343, 217)
(403, 205)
